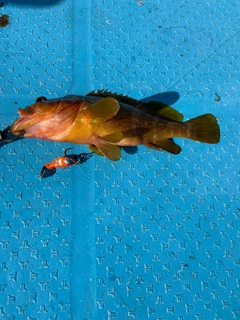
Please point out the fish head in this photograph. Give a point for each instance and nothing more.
(44, 118)
(29, 117)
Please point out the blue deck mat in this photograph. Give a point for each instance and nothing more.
(153, 236)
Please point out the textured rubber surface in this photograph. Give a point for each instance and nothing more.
(151, 236)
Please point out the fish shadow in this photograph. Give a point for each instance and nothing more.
(167, 98)
(130, 150)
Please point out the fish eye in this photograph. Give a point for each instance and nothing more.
(40, 99)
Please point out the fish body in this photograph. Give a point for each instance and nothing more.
(106, 123)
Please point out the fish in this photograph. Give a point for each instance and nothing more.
(106, 122)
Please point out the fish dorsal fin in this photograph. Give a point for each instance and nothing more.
(101, 111)
(155, 108)
(159, 109)
(167, 145)
(119, 97)
(170, 114)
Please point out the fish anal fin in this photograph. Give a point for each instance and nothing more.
(167, 145)
(101, 111)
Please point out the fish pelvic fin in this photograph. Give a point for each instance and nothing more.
(110, 151)
(203, 129)
(94, 149)
(104, 146)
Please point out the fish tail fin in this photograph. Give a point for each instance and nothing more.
(203, 128)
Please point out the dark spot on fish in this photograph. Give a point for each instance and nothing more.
(218, 98)
(15, 102)
(1, 4)
(4, 20)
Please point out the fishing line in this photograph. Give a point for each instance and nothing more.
(207, 57)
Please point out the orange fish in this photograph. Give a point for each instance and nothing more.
(106, 122)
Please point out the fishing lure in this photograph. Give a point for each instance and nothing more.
(65, 161)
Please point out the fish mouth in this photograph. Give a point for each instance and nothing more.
(28, 118)
(21, 125)
(22, 120)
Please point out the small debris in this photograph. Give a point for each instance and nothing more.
(4, 20)
(218, 98)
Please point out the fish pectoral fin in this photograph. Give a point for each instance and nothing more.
(101, 111)
(167, 145)
(110, 151)
(94, 149)
(112, 138)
